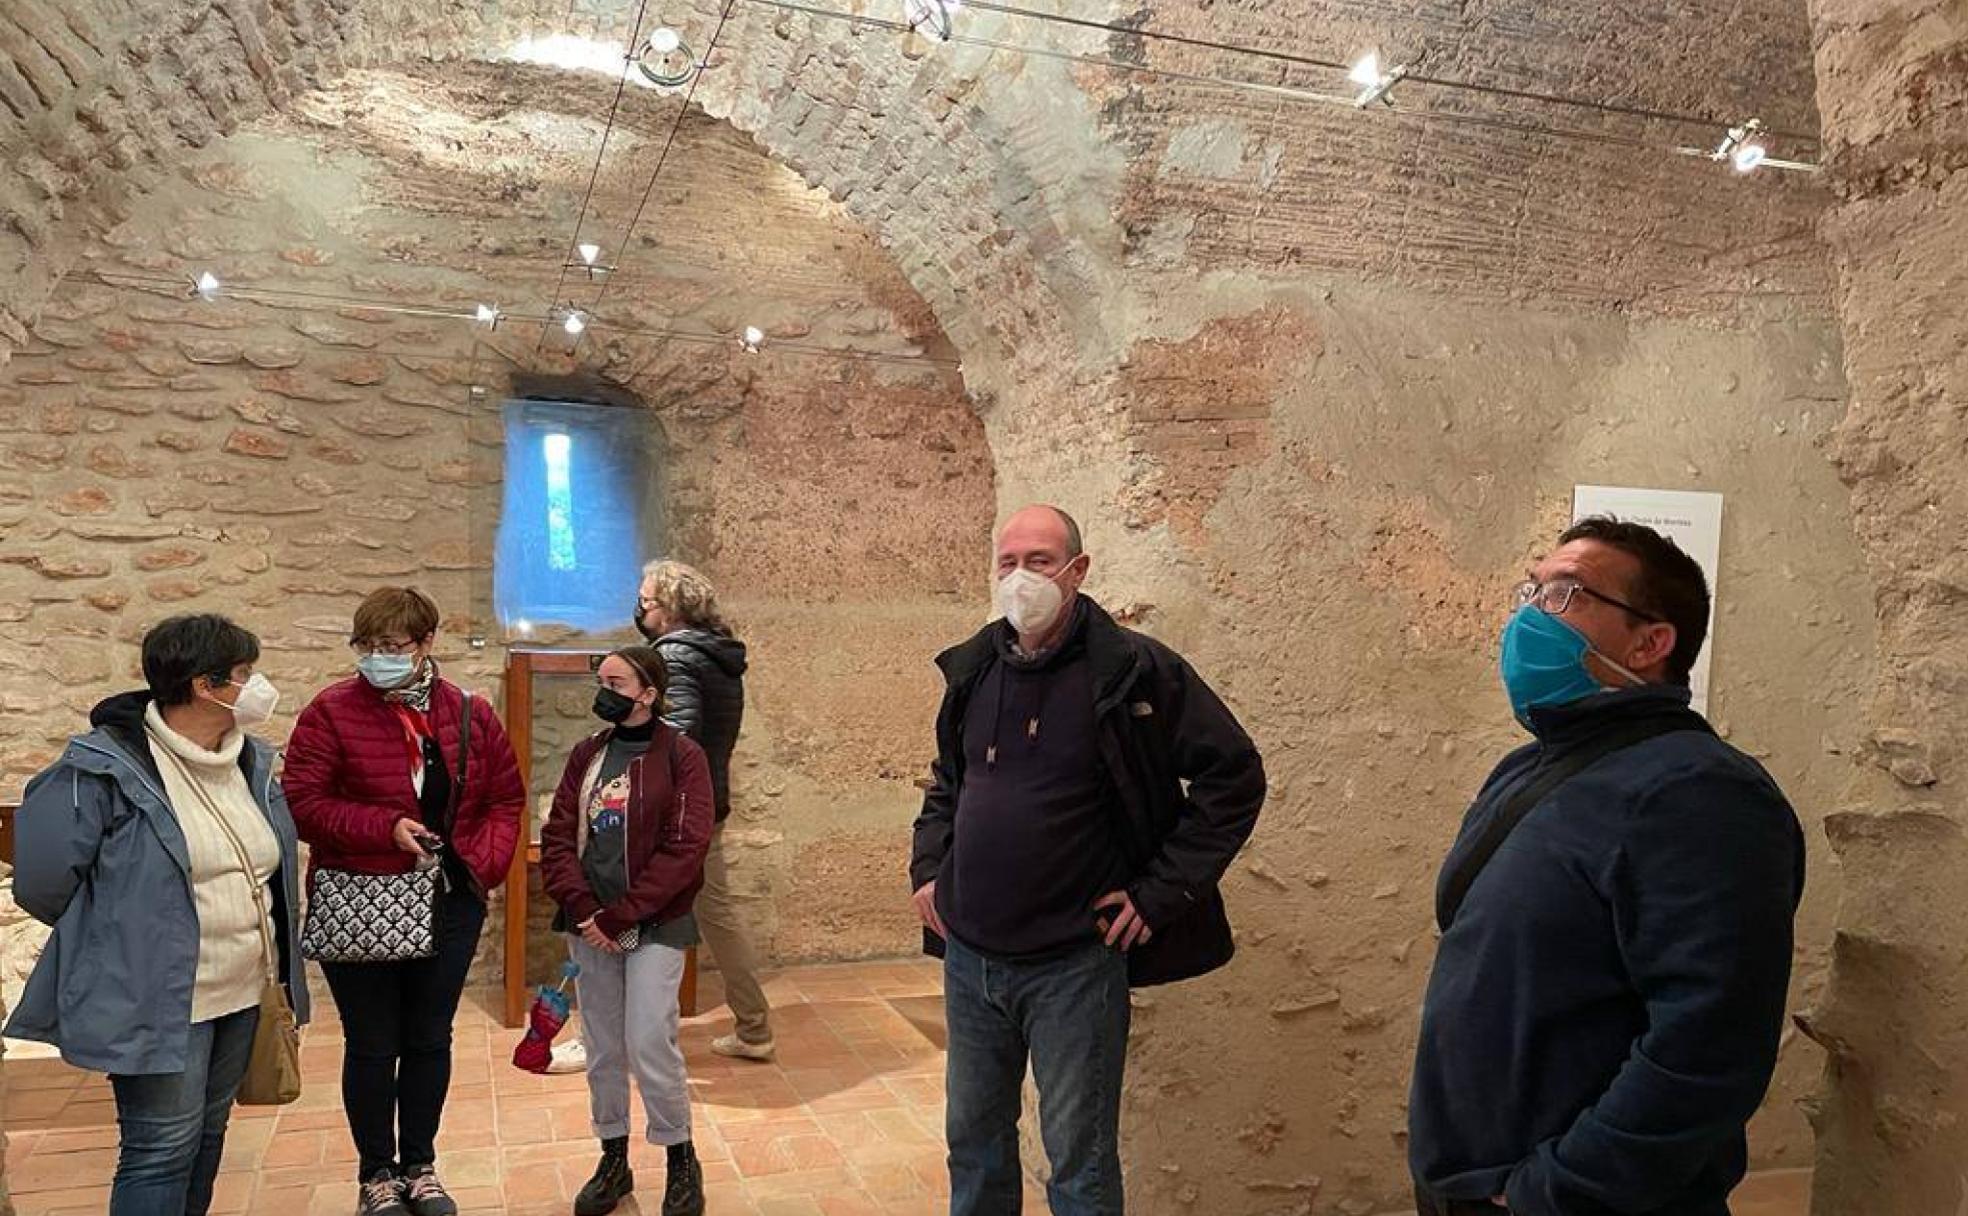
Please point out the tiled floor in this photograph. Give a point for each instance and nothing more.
(848, 1122)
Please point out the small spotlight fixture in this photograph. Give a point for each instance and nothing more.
(487, 315)
(665, 60)
(753, 339)
(1375, 85)
(1743, 146)
(207, 285)
(588, 252)
(574, 321)
(930, 18)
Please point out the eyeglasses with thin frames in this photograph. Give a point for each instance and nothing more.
(382, 645)
(1556, 596)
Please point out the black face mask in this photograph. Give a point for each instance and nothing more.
(648, 634)
(611, 706)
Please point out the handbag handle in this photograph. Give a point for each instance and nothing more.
(269, 956)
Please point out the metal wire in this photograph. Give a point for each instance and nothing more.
(621, 83)
(1291, 92)
(299, 300)
(1440, 82)
(683, 111)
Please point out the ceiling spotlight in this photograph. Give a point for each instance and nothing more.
(574, 321)
(1743, 146)
(486, 315)
(1374, 83)
(207, 285)
(664, 60)
(930, 18)
(588, 252)
(753, 339)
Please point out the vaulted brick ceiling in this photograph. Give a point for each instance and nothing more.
(1020, 193)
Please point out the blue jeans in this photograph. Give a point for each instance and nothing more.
(1069, 1017)
(174, 1124)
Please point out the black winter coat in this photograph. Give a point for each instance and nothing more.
(705, 698)
(1160, 726)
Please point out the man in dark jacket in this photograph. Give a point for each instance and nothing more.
(1060, 856)
(1609, 990)
(677, 610)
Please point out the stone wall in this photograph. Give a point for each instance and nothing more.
(276, 460)
(1893, 85)
(1387, 466)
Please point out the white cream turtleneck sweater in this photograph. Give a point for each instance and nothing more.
(231, 950)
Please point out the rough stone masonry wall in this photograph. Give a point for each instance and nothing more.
(1893, 86)
(162, 454)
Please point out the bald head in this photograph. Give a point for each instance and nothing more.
(1046, 541)
(1043, 520)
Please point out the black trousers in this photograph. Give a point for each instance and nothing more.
(1427, 1204)
(396, 1027)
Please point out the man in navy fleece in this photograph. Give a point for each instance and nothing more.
(1607, 998)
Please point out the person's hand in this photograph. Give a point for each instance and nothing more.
(925, 900)
(1126, 930)
(411, 837)
(599, 940)
(1501, 1202)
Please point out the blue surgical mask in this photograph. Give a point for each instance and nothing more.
(387, 671)
(1543, 663)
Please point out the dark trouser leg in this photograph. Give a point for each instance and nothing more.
(369, 997)
(232, 1050)
(431, 988)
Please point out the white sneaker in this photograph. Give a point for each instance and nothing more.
(571, 1056)
(738, 1049)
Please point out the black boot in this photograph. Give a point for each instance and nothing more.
(611, 1183)
(684, 1196)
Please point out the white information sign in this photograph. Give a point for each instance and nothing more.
(1691, 519)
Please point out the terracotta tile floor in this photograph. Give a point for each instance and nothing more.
(847, 1122)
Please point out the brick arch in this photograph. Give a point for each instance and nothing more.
(972, 195)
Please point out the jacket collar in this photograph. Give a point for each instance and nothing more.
(1111, 653)
(1561, 726)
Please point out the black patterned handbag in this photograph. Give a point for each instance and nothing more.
(380, 918)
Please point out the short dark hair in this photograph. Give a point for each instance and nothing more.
(648, 663)
(180, 650)
(388, 610)
(1671, 584)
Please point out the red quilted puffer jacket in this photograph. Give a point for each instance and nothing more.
(348, 781)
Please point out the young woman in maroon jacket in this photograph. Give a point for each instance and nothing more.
(623, 855)
(369, 774)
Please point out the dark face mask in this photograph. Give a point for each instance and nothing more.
(648, 634)
(611, 706)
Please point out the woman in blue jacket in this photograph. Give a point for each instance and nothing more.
(160, 849)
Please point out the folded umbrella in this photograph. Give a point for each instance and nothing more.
(549, 1014)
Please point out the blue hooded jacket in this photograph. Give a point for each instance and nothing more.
(99, 855)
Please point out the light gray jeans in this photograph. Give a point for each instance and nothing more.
(629, 1024)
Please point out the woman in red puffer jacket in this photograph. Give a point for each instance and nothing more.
(370, 769)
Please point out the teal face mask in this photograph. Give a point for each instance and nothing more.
(1543, 663)
(387, 671)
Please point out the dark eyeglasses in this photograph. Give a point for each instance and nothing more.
(1556, 596)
